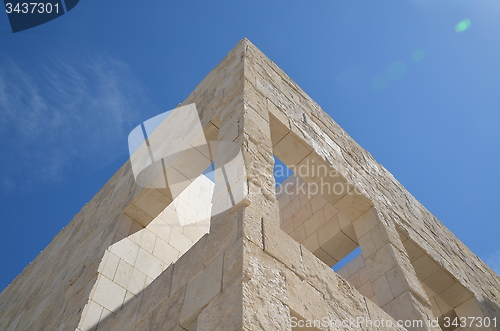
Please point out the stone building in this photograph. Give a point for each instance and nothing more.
(149, 258)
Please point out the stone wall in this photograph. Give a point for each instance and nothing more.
(311, 135)
(141, 254)
(266, 260)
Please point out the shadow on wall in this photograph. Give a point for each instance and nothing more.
(493, 310)
(176, 297)
(143, 253)
(174, 209)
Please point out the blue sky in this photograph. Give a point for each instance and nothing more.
(421, 97)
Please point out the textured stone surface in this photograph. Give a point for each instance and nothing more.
(257, 261)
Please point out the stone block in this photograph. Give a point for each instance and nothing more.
(312, 224)
(125, 249)
(302, 214)
(434, 307)
(233, 264)
(328, 230)
(91, 317)
(164, 316)
(380, 262)
(356, 264)
(312, 169)
(377, 314)
(317, 203)
(364, 275)
(440, 281)
(263, 306)
(152, 201)
(201, 289)
(136, 281)
(333, 188)
(190, 163)
(364, 223)
(262, 270)
(344, 272)
(304, 298)
(179, 241)
(442, 305)
(413, 251)
(283, 199)
(383, 291)
(287, 226)
(144, 238)
(168, 217)
(379, 236)
(133, 234)
(250, 228)
(339, 246)
(290, 150)
(282, 247)
(324, 257)
(311, 242)
(290, 209)
(109, 294)
(456, 295)
(222, 235)
(349, 231)
(299, 234)
(165, 252)
(225, 311)
(425, 266)
(344, 221)
(469, 308)
(279, 122)
(329, 210)
(123, 274)
(366, 289)
(304, 198)
(124, 223)
(109, 264)
(138, 214)
(157, 293)
(192, 232)
(355, 280)
(397, 281)
(367, 245)
(148, 264)
(405, 307)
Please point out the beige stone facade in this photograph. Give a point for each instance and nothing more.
(128, 261)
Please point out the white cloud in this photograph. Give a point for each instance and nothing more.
(65, 113)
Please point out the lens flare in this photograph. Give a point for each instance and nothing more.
(378, 82)
(463, 25)
(395, 70)
(418, 55)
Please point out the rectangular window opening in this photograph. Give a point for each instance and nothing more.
(348, 258)
(281, 171)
